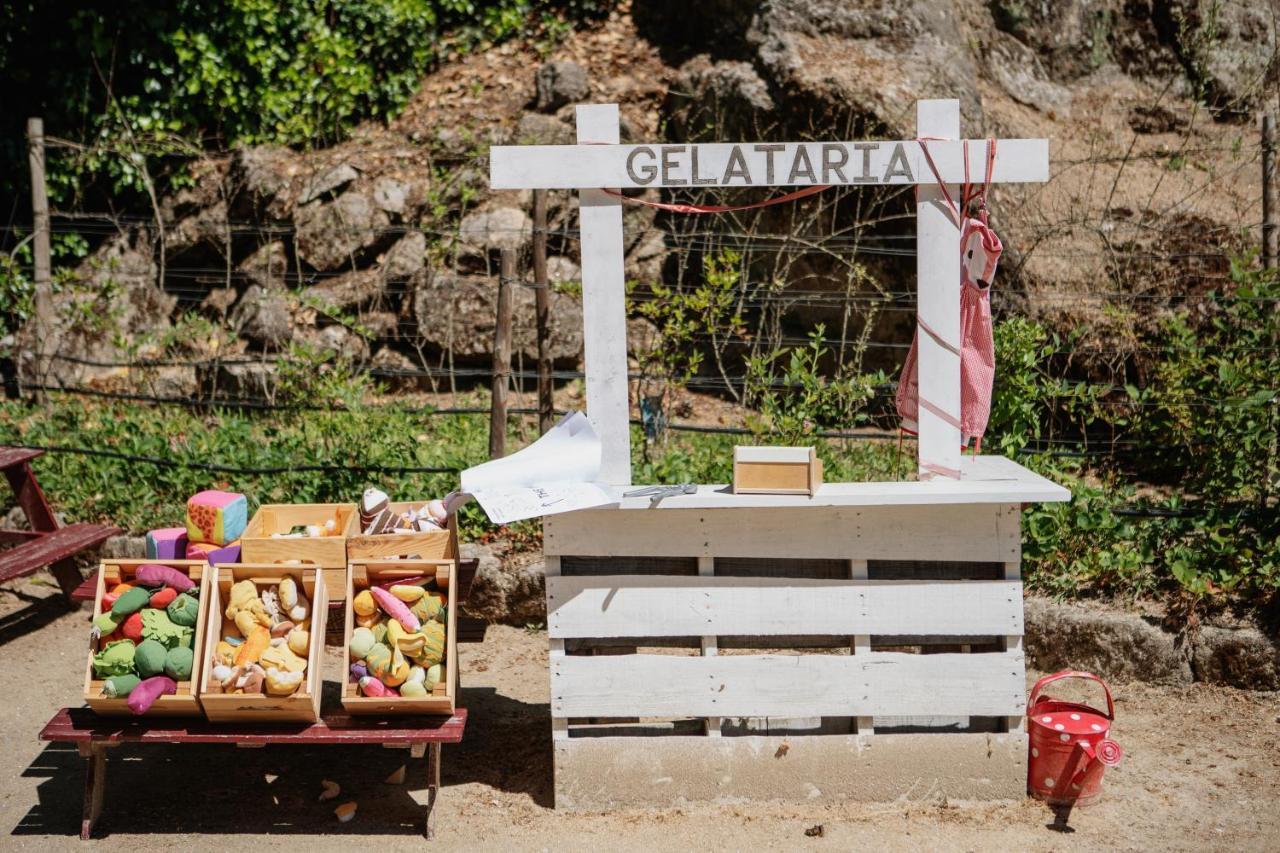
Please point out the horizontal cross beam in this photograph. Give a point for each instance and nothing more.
(763, 164)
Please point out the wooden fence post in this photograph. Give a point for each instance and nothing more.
(43, 297)
(1270, 231)
(502, 357)
(542, 305)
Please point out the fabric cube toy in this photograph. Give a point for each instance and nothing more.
(167, 543)
(214, 555)
(216, 517)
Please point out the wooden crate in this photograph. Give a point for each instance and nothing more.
(185, 702)
(795, 683)
(431, 545)
(776, 470)
(328, 552)
(304, 705)
(442, 701)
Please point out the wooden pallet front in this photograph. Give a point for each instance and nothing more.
(185, 701)
(303, 706)
(870, 637)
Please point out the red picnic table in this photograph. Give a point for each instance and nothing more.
(46, 543)
(94, 735)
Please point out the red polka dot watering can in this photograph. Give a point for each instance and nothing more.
(1069, 745)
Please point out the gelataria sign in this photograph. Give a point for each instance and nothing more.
(763, 164)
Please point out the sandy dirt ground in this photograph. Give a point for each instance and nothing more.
(1202, 772)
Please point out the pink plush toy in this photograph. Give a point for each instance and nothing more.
(371, 686)
(396, 609)
(142, 697)
(154, 574)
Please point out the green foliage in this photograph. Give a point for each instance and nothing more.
(800, 399)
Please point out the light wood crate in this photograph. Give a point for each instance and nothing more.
(444, 696)
(761, 470)
(800, 619)
(257, 545)
(303, 706)
(429, 545)
(185, 702)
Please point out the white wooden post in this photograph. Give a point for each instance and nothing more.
(604, 306)
(860, 644)
(938, 306)
(710, 644)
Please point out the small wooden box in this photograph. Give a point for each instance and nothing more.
(184, 703)
(257, 545)
(442, 700)
(776, 470)
(304, 705)
(431, 545)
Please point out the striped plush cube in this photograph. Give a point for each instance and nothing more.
(216, 517)
(214, 555)
(167, 543)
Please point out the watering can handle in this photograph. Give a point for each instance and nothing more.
(1072, 673)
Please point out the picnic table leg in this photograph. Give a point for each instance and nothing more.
(433, 786)
(95, 784)
(68, 577)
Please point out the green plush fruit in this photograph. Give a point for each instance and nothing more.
(120, 686)
(362, 640)
(131, 601)
(149, 658)
(183, 611)
(116, 658)
(433, 649)
(156, 625)
(106, 623)
(178, 663)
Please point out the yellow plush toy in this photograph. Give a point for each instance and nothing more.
(244, 597)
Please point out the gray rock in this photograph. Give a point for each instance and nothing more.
(561, 82)
(509, 591)
(539, 129)
(337, 340)
(175, 381)
(1018, 71)
(1228, 50)
(407, 257)
(495, 228)
(267, 265)
(265, 173)
(347, 290)
(458, 313)
(381, 324)
(327, 182)
(391, 195)
(331, 235)
(645, 262)
(561, 270)
(1111, 644)
(207, 226)
(396, 370)
(1237, 657)
(218, 301)
(720, 100)
(125, 548)
(262, 318)
(245, 380)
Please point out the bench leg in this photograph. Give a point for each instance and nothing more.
(95, 784)
(68, 578)
(433, 786)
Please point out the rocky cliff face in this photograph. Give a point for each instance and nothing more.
(383, 248)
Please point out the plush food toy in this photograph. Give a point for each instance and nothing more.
(156, 625)
(154, 574)
(216, 517)
(115, 658)
(163, 597)
(106, 623)
(254, 645)
(131, 628)
(267, 640)
(178, 663)
(131, 601)
(371, 686)
(214, 555)
(109, 599)
(408, 593)
(244, 597)
(142, 697)
(413, 688)
(396, 609)
(149, 658)
(281, 683)
(167, 543)
(293, 603)
(362, 641)
(183, 610)
(299, 642)
(119, 686)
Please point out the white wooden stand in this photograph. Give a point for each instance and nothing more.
(863, 642)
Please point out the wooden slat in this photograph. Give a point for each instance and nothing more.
(877, 683)
(10, 456)
(967, 532)
(50, 548)
(652, 606)
(81, 725)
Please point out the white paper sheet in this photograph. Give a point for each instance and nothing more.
(555, 474)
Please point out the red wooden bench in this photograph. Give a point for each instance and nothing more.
(46, 543)
(94, 735)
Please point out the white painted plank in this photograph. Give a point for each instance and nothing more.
(878, 683)
(973, 532)
(765, 453)
(860, 644)
(710, 642)
(866, 163)
(667, 606)
(604, 312)
(1013, 642)
(938, 305)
